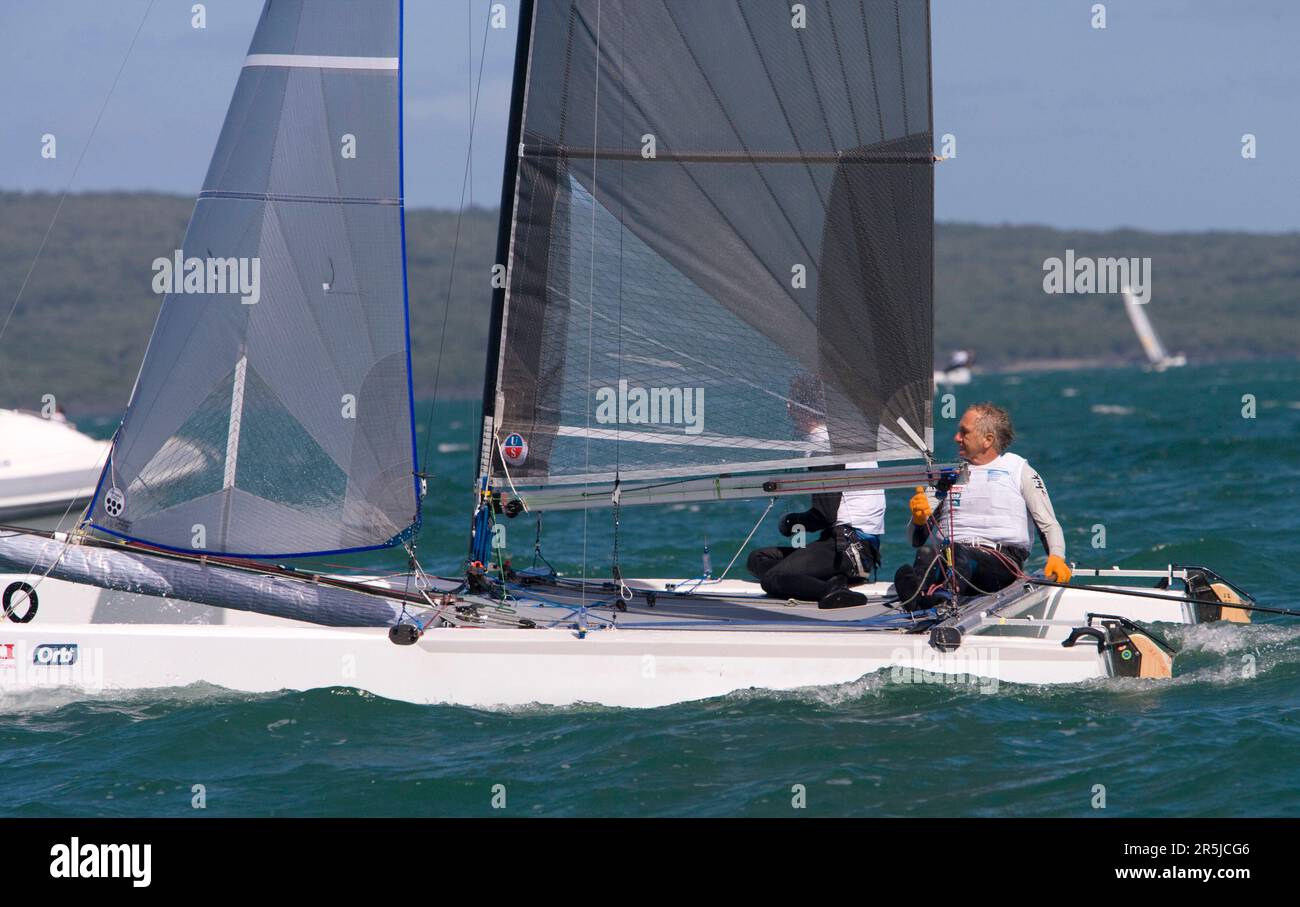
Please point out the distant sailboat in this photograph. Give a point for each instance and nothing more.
(958, 370)
(1155, 351)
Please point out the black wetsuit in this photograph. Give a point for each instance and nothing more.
(809, 573)
(979, 570)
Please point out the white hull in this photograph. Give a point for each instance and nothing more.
(46, 466)
(486, 668)
(953, 377)
(123, 641)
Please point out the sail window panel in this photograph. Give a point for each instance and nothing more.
(197, 337)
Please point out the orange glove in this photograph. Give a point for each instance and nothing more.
(1056, 569)
(920, 506)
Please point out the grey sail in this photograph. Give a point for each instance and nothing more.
(279, 422)
(715, 202)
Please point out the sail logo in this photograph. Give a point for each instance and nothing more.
(514, 450)
(209, 276)
(75, 860)
(1083, 275)
(626, 405)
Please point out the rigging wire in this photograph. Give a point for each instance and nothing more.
(466, 189)
(624, 592)
(591, 283)
(700, 580)
(76, 168)
(476, 92)
(40, 249)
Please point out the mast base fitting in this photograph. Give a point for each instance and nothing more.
(514, 507)
(403, 634)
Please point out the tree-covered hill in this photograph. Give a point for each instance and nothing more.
(84, 319)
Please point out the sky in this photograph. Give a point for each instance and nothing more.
(1056, 122)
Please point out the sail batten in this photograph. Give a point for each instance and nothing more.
(727, 202)
(317, 61)
(272, 416)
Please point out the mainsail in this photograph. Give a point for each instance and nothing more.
(712, 203)
(1155, 350)
(279, 422)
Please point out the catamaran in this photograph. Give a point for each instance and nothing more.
(701, 202)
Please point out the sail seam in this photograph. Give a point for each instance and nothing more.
(308, 199)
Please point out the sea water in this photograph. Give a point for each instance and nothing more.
(1199, 465)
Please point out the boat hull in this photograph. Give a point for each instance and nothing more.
(494, 668)
(101, 641)
(554, 642)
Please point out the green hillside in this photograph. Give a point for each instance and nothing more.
(81, 327)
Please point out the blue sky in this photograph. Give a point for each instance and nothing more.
(1056, 122)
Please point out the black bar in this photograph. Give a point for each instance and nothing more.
(514, 135)
(298, 856)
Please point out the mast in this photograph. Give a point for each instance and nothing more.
(505, 226)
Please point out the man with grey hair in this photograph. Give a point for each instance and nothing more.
(985, 515)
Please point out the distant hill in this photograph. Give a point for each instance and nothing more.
(84, 320)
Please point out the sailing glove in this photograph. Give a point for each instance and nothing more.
(920, 506)
(810, 520)
(1056, 569)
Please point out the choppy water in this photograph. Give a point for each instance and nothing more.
(1166, 463)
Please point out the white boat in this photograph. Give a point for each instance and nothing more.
(47, 467)
(958, 371)
(1158, 358)
(637, 279)
(661, 647)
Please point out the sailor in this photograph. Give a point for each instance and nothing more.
(985, 515)
(849, 526)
